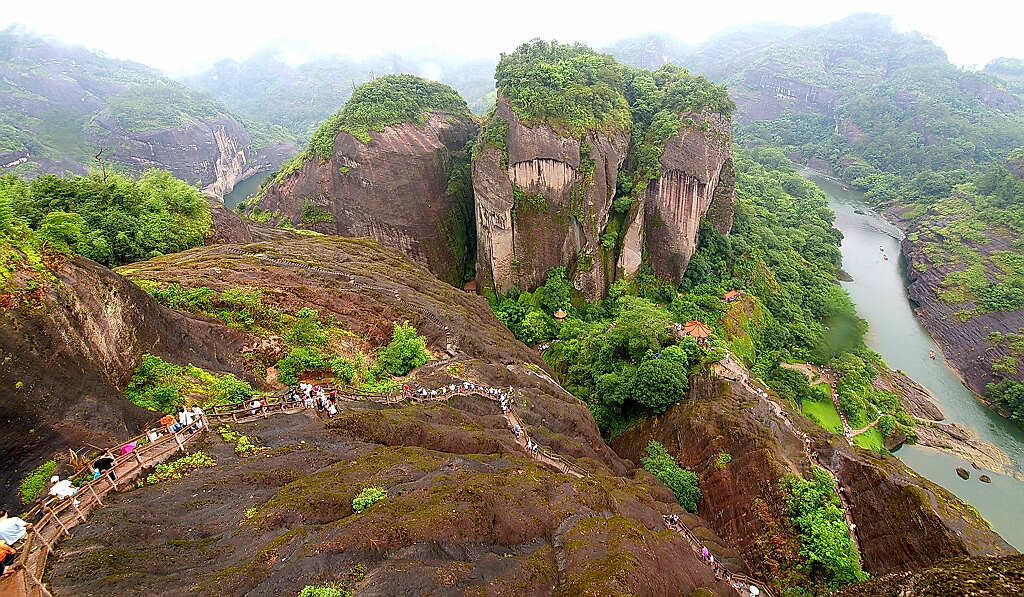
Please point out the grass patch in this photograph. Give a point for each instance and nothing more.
(824, 413)
(870, 440)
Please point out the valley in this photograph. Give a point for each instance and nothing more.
(731, 318)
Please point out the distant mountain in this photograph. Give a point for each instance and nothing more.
(268, 92)
(59, 106)
(1010, 71)
(857, 92)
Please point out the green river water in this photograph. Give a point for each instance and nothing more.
(879, 292)
(243, 190)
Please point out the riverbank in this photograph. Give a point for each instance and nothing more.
(962, 344)
(880, 295)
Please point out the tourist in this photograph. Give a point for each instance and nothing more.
(331, 409)
(704, 552)
(62, 489)
(168, 422)
(7, 556)
(12, 528)
(185, 418)
(255, 406)
(152, 435)
(103, 464)
(197, 414)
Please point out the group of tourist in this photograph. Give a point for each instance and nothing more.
(188, 419)
(314, 397)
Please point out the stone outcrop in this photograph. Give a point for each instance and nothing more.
(394, 190)
(467, 511)
(548, 208)
(212, 153)
(903, 521)
(69, 345)
(696, 176)
(552, 202)
(965, 345)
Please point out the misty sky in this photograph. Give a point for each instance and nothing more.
(187, 35)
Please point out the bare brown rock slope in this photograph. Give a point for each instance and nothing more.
(903, 521)
(467, 511)
(393, 189)
(72, 335)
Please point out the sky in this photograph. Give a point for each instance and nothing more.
(187, 36)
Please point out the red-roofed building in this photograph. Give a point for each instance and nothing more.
(732, 295)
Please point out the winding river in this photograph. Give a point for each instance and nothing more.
(880, 294)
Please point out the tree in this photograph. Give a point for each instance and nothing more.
(682, 482)
(536, 327)
(6, 211)
(557, 290)
(406, 351)
(662, 381)
(62, 229)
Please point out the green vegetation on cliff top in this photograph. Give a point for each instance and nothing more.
(575, 89)
(374, 106)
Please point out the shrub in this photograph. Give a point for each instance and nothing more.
(405, 352)
(178, 468)
(328, 590)
(368, 497)
(825, 539)
(682, 482)
(722, 460)
(35, 482)
(300, 360)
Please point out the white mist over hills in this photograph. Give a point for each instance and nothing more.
(194, 35)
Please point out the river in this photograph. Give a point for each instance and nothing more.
(879, 292)
(243, 190)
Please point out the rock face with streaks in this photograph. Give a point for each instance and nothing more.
(696, 178)
(394, 189)
(548, 201)
(544, 205)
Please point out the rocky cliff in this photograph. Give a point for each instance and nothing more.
(769, 95)
(467, 511)
(964, 340)
(212, 153)
(61, 105)
(696, 176)
(544, 204)
(72, 334)
(903, 521)
(394, 189)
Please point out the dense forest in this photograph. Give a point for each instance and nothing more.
(110, 218)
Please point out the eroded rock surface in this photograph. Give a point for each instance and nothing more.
(903, 521)
(548, 208)
(467, 511)
(696, 176)
(394, 189)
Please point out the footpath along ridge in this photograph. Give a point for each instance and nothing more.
(52, 520)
